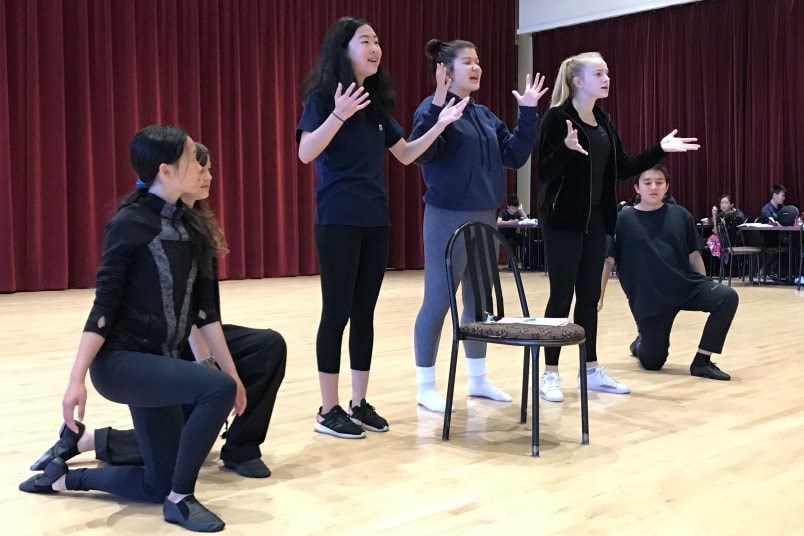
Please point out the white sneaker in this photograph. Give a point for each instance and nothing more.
(550, 387)
(600, 380)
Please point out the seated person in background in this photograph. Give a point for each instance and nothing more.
(507, 219)
(727, 210)
(771, 209)
(657, 249)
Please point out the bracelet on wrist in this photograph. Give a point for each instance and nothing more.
(338, 117)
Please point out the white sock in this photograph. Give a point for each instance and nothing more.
(478, 383)
(427, 395)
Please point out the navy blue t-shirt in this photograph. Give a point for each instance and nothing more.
(351, 189)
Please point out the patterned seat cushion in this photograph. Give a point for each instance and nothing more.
(530, 332)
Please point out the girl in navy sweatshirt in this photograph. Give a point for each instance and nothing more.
(465, 177)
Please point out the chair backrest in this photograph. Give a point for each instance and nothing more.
(728, 232)
(474, 249)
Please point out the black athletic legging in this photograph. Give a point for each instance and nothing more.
(155, 388)
(352, 261)
(575, 262)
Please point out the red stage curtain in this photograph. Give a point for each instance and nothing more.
(82, 76)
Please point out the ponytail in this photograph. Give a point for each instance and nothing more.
(564, 89)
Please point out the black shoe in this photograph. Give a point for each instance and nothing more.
(634, 346)
(710, 371)
(254, 468)
(364, 415)
(337, 423)
(192, 515)
(43, 482)
(65, 448)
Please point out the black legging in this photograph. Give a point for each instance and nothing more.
(575, 262)
(259, 356)
(352, 262)
(155, 388)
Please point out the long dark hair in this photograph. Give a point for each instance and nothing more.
(333, 66)
(163, 144)
(203, 212)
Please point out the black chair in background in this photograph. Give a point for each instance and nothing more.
(479, 245)
(729, 234)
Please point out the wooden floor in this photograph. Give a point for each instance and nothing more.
(680, 455)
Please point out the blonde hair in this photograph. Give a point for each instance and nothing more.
(570, 68)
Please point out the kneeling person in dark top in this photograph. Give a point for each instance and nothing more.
(657, 249)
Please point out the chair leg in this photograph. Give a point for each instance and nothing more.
(584, 398)
(453, 365)
(731, 263)
(534, 434)
(523, 412)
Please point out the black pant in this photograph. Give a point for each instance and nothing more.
(352, 261)
(575, 262)
(718, 300)
(259, 356)
(155, 388)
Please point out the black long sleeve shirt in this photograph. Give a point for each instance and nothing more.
(149, 292)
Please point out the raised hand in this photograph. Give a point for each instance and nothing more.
(671, 144)
(74, 397)
(533, 91)
(348, 102)
(571, 141)
(452, 112)
(442, 84)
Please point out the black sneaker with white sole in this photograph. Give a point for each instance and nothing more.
(366, 416)
(337, 423)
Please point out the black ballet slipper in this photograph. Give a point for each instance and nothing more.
(43, 482)
(65, 448)
(254, 468)
(192, 515)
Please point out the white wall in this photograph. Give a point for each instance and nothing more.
(538, 15)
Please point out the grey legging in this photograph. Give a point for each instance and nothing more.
(439, 225)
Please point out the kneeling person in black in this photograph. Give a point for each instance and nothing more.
(259, 357)
(657, 249)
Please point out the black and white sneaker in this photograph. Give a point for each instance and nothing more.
(366, 416)
(337, 423)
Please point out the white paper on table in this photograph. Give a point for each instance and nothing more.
(755, 225)
(536, 320)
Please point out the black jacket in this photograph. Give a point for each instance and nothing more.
(566, 175)
(149, 291)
